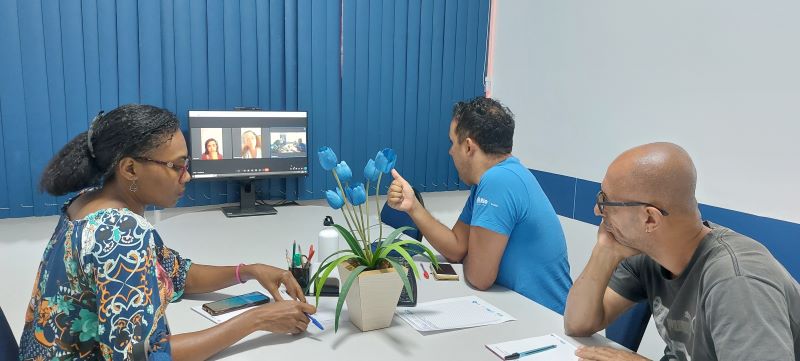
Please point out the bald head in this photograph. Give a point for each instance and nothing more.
(659, 173)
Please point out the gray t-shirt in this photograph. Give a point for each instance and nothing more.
(734, 301)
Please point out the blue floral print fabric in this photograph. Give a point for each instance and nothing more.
(102, 290)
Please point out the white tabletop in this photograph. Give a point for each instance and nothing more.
(210, 238)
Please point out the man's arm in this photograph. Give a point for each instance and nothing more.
(451, 243)
(483, 258)
(591, 304)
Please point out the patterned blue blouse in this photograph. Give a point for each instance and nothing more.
(102, 290)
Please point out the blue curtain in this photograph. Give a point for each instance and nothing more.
(371, 74)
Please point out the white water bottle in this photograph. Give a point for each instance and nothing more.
(328, 240)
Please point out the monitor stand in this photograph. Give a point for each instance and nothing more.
(247, 203)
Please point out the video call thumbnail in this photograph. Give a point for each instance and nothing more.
(247, 143)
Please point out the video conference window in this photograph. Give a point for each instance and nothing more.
(251, 143)
(287, 142)
(212, 144)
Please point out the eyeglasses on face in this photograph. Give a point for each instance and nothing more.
(180, 168)
(603, 202)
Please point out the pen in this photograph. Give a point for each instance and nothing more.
(294, 251)
(319, 325)
(517, 355)
(424, 271)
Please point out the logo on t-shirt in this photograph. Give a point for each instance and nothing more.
(483, 201)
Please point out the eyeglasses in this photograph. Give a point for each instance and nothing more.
(603, 202)
(181, 169)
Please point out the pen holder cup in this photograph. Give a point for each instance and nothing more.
(302, 275)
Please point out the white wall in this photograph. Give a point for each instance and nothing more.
(589, 79)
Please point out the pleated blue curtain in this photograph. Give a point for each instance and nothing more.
(371, 74)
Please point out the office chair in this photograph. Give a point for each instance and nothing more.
(9, 350)
(628, 329)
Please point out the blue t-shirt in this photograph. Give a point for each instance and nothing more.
(508, 200)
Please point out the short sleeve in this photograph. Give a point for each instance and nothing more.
(744, 303)
(175, 266)
(466, 213)
(494, 206)
(626, 279)
(130, 322)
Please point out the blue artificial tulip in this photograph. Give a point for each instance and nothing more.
(343, 171)
(327, 158)
(357, 194)
(335, 199)
(370, 172)
(385, 160)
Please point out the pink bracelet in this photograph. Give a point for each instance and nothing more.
(237, 273)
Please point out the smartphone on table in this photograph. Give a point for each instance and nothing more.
(234, 303)
(444, 272)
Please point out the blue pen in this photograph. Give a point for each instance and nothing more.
(316, 323)
(517, 355)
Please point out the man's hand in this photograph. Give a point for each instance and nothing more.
(606, 240)
(592, 353)
(401, 195)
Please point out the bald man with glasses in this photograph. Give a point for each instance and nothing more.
(715, 294)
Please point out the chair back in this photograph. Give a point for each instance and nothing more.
(9, 350)
(397, 219)
(628, 329)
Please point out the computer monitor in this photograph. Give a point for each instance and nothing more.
(245, 146)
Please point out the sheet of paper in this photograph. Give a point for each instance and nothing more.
(452, 313)
(563, 351)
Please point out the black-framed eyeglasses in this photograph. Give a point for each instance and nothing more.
(603, 202)
(180, 168)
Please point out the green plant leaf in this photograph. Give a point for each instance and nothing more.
(392, 236)
(351, 241)
(326, 271)
(383, 251)
(404, 277)
(343, 294)
(399, 248)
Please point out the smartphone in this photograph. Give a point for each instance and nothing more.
(235, 303)
(444, 272)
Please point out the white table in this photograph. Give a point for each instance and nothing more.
(210, 238)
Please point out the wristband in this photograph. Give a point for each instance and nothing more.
(237, 273)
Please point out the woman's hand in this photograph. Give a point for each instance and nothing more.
(271, 278)
(282, 317)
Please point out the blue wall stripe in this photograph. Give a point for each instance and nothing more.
(424, 97)
(437, 160)
(308, 185)
(107, 46)
(575, 198)
(290, 76)
(232, 70)
(448, 78)
(333, 81)
(398, 79)
(34, 76)
(371, 74)
(13, 107)
(5, 209)
(128, 51)
(459, 69)
(150, 65)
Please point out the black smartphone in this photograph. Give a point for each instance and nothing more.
(235, 303)
(445, 271)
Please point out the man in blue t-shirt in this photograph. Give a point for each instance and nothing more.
(508, 232)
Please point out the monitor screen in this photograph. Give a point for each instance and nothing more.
(248, 144)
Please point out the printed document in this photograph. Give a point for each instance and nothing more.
(452, 313)
(564, 351)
